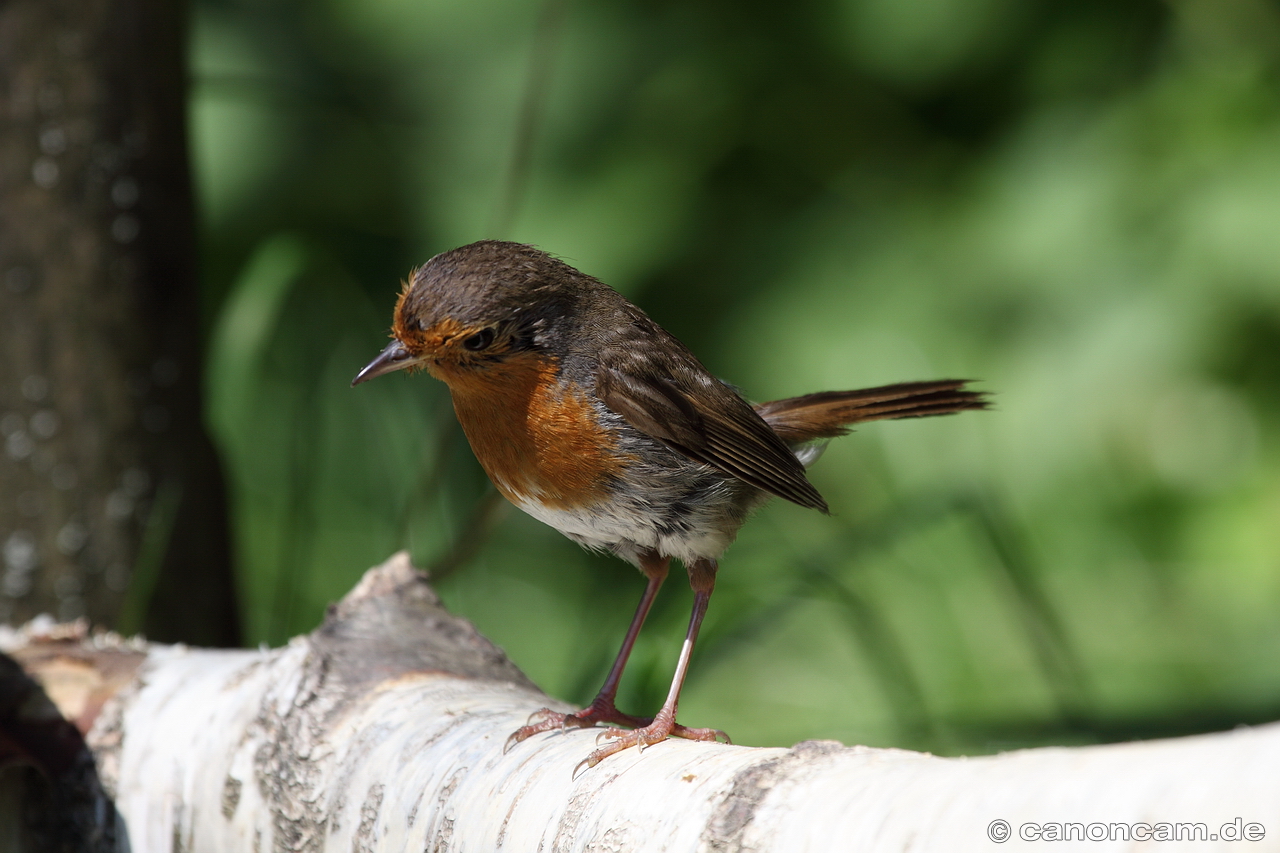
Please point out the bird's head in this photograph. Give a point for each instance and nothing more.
(475, 306)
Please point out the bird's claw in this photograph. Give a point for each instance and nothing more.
(542, 720)
(618, 740)
(611, 739)
(703, 735)
(539, 715)
(610, 732)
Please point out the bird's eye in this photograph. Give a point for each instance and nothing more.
(480, 340)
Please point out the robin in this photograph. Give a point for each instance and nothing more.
(591, 417)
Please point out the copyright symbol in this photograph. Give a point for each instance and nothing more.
(998, 831)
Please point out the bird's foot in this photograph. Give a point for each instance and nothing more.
(662, 727)
(601, 710)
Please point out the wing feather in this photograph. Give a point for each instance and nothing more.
(666, 393)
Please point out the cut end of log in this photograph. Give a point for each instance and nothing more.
(78, 669)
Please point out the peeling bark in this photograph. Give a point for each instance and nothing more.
(384, 730)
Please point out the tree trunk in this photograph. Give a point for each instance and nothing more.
(113, 502)
(385, 730)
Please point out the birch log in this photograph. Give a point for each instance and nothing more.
(384, 730)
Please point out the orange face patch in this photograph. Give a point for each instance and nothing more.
(534, 437)
(436, 340)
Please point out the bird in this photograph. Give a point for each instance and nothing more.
(590, 417)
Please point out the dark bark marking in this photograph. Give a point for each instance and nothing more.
(737, 811)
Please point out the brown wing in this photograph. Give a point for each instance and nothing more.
(826, 415)
(666, 393)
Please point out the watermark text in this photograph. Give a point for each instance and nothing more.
(1001, 831)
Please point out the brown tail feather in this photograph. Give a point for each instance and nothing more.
(826, 414)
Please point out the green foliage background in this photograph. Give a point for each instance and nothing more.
(1077, 203)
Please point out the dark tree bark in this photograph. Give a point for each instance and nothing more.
(111, 500)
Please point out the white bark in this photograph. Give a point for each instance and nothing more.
(384, 730)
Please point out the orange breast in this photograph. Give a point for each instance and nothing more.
(534, 438)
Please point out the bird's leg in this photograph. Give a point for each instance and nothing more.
(702, 577)
(602, 708)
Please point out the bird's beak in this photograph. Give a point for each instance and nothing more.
(394, 357)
